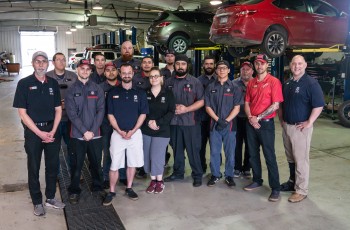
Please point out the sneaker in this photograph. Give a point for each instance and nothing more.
(287, 186)
(151, 187)
(39, 210)
(252, 186)
(236, 174)
(108, 199)
(74, 198)
(247, 174)
(159, 187)
(131, 194)
(54, 203)
(212, 181)
(229, 181)
(275, 196)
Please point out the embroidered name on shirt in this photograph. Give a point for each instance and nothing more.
(116, 96)
(266, 84)
(77, 94)
(33, 87)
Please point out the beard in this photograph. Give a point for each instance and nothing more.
(126, 79)
(180, 72)
(112, 78)
(127, 57)
(209, 71)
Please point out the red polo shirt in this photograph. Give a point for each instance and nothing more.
(262, 95)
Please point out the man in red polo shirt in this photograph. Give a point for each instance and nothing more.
(263, 96)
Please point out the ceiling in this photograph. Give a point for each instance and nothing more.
(51, 14)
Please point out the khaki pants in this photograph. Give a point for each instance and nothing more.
(297, 148)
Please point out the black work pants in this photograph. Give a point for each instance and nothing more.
(34, 147)
(241, 137)
(189, 138)
(205, 134)
(93, 149)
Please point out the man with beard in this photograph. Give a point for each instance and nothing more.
(208, 77)
(141, 80)
(97, 75)
(168, 70)
(111, 73)
(246, 74)
(263, 96)
(38, 101)
(127, 56)
(185, 130)
(85, 105)
(127, 109)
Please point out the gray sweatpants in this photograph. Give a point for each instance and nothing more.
(154, 149)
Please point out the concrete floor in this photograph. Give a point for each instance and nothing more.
(182, 206)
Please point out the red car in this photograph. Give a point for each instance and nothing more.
(275, 25)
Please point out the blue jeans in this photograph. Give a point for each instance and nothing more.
(228, 139)
(265, 137)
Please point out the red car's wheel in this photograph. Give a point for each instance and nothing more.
(275, 43)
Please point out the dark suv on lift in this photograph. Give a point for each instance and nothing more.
(179, 30)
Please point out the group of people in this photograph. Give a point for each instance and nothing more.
(123, 115)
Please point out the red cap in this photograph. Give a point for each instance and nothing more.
(110, 64)
(247, 63)
(262, 58)
(84, 62)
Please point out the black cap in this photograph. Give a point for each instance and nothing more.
(181, 57)
(169, 51)
(223, 62)
(84, 62)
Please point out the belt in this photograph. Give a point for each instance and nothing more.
(296, 123)
(266, 120)
(41, 124)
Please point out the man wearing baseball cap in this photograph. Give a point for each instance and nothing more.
(168, 70)
(85, 106)
(38, 101)
(246, 75)
(263, 96)
(184, 129)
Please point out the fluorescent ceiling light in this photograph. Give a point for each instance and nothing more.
(68, 32)
(79, 26)
(215, 2)
(73, 29)
(97, 6)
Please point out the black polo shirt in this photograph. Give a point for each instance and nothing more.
(243, 89)
(205, 80)
(127, 106)
(187, 91)
(38, 98)
(141, 81)
(300, 97)
(167, 73)
(222, 99)
(162, 110)
(135, 63)
(95, 77)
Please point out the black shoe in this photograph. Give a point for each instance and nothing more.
(141, 174)
(123, 181)
(108, 200)
(287, 186)
(131, 194)
(275, 196)
(229, 181)
(197, 183)
(74, 198)
(213, 181)
(173, 177)
(106, 184)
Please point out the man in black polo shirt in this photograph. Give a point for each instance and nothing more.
(185, 130)
(140, 80)
(97, 75)
(127, 109)
(38, 101)
(168, 70)
(303, 103)
(222, 103)
(127, 56)
(85, 105)
(206, 78)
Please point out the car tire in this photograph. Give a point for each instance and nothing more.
(344, 113)
(179, 44)
(161, 49)
(274, 43)
(238, 51)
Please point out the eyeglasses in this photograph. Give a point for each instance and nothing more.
(39, 62)
(154, 76)
(221, 68)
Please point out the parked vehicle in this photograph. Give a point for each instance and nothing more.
(110, 55)
(74, 58)
(179, 30)
(275, 25)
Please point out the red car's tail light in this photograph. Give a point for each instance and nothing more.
(163, 24)
(246, 12)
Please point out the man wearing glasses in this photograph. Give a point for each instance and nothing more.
(127, 109)
(38, 101)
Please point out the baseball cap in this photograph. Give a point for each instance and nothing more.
(181, 57)
(247, 63)
(110, 64)
(84, 62)
(39, 53)
(262, 58)
(169, 51)
(223, 62)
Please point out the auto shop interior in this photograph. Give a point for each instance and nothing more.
(233, 30)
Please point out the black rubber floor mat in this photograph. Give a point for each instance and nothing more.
(89, 213)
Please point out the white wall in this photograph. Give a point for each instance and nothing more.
(10, 41)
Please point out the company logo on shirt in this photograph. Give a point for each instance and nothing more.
(92, 94)
(136, 98)
(266, 84)
(162, 100)
(33, 87)
(297, 89)
(149, 98)
(50, 91)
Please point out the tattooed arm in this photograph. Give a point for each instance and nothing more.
(272, 108)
